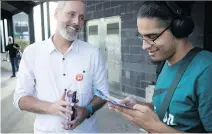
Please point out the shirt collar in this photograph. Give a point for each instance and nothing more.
(51, 47)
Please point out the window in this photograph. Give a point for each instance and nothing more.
(37, 23)
(52, 7)
(93, 30)
(6, 31)
(21, 26)
(113, 28)
(2, 36)
(45, 20)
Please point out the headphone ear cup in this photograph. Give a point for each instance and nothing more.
(182, 27)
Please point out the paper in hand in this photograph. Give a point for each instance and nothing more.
(109, 98)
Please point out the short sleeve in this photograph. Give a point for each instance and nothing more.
(204, 98)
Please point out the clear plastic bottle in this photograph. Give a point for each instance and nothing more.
(68, 98)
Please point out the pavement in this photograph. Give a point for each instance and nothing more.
(14, 121)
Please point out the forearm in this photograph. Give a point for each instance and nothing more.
(160, 127)
(97, 103)
(32, 104)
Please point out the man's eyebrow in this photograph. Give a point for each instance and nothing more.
(149, 34)
(71, 12)
(82, 15)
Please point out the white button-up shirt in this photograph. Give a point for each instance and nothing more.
(45, 73)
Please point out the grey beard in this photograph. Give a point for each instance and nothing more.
(69, 37)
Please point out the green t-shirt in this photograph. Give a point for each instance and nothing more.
(190, 109)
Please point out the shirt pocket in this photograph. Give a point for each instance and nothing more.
(83, 86)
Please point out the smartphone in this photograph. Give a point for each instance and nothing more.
(74, 100)
(115, 101)
(109, 98)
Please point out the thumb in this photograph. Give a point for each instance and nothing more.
(124, 101)
(63, 96)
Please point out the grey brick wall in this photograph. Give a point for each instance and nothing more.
(198, 15)
(208, 26)
(137, 70)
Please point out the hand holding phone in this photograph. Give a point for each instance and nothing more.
(70, 96)
(109, 98)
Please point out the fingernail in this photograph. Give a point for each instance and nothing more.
(72, 104)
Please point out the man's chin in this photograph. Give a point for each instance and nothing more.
(156, 61)
(66, 35)
(69, 38)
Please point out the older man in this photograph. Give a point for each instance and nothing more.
(62, 63)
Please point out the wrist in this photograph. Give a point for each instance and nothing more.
(89, 108)
(87, 112)
(48, 108)
(157, 127)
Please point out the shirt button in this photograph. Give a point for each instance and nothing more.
(64, 74)
(63, 58)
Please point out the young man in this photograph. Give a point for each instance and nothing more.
(62, 63)
(164, 34)
(13, 49)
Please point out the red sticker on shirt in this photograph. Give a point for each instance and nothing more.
(79, 77)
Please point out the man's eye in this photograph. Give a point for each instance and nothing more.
(71, 14)
(151, 36)
(140, 36)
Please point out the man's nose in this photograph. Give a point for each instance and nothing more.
(76, 20)
(146, 45)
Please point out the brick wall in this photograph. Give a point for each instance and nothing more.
(198, 15)
(208, 26)
(137, 70)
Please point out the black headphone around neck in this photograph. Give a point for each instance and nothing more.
(182, 25)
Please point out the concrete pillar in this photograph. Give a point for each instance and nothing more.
(31, 26)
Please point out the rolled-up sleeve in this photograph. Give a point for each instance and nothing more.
(25, 85)
(100, 74)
